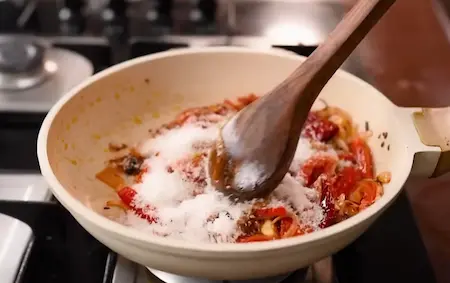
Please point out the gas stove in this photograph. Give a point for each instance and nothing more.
(85, 37)
(90, 36)
(60, 250)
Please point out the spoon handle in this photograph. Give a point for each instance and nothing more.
(311, 76)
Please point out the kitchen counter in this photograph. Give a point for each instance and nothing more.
(408, 57)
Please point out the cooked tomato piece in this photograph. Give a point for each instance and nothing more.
(347, 156)
(365, 193)
(345, 181)
(318, 128)
(363, 156)
(316, 166)
(270, 212)
(254, 238)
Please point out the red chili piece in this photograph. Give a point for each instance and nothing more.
(127, 195)
(318, 128)
(316, 166)
(363, 156)
(345, 181)
(323, 185)
(347, 156)
(270, 212)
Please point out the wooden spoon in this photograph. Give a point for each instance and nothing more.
(256, 147)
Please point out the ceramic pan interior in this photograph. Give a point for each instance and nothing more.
(120, 105)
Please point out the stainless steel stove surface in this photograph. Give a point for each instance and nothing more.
(15, 236)
(102, 33)
(36, 90)
(126, 271)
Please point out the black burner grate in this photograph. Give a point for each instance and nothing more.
(60, 250)
(391, 251)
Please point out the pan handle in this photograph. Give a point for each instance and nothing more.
(432, 149)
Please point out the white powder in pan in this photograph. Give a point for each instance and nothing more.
(178, 143)
(303, 199)
(159, 187)
(305, 151)
(248, 175)
(210, 216)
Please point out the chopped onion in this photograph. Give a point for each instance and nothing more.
(268, 229)
(294, 226)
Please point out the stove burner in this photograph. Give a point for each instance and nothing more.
(23, 64)
(319, 272)
(18, 57)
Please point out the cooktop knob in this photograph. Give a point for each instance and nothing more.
(160, 12)
(208, 9)
(71, 18)
(114, 18)
(115, 9)
(204, 11)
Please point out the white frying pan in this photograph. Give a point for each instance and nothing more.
(110, 106)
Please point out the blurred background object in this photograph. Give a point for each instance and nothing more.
(48, 46)
(442, 10)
